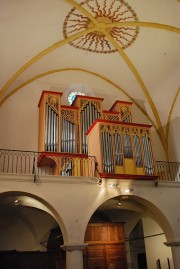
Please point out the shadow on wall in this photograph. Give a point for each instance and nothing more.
(174, 148)
(138, 116)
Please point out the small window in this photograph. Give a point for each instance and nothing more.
(72, 96)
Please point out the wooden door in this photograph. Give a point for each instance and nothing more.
(95, 257)
(115, 256)
(106, 249)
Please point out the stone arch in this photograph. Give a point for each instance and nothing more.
(28, 199)
(140, 204)
(145, 208)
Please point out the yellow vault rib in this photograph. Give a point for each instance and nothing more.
(39, 56)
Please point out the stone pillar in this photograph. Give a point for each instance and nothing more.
(175, 246)
(74, 255)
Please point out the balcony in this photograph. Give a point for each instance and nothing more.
(40, 163)
(46, 163)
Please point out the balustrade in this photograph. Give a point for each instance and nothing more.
(28, 162)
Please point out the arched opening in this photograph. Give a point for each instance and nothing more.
(141, 246)
(28, 233)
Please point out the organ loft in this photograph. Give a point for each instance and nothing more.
(82, 139)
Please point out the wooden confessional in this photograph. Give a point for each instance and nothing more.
(81, 139)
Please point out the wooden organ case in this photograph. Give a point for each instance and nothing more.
(74, 139)
(106, 246)
(49, 121)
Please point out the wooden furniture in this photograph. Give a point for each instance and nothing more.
(106, 246)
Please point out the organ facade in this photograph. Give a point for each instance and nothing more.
(82, 139)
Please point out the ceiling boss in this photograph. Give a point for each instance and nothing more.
(105, 12)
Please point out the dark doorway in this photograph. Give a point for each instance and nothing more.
(142, 263)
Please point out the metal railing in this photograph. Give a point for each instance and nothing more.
(169, 171)
(25, 162)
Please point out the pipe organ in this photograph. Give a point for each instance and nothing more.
(121, 148)
(68, 135)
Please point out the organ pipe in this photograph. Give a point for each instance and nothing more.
(137, 150)
(67, 136)
(147, 154)
(127, 145)
(107, 151)
(89, 113)
(118, 148)
(51, 129)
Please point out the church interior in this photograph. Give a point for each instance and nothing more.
(89, 134)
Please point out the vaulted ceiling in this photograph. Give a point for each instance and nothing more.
(115, 47)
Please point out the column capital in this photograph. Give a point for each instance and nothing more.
(172, 243)
(74, 246)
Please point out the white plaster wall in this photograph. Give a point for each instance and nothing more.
(19, 120)
(174, 148)
(155, 249)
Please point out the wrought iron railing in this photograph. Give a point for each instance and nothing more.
(169, 171)
(26, 162)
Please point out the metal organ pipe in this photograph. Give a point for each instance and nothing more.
(46, 129)
(83, 129)
(62, 134)
(54, 132)
(103, 150)
(51, 129)
(57, 130)
(117, 148)
(137, 150)
(88, 115)
(106, 140)
(67, 136)
(110, 159)
(147, 153)
(87, 122)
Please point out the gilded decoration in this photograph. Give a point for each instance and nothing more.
(111, 117)
(125, 112)
(105, 12)
(53, 102)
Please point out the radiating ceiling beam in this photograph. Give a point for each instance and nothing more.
(144, 24)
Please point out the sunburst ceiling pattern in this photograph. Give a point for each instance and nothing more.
(105, 27)
(104, 12)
